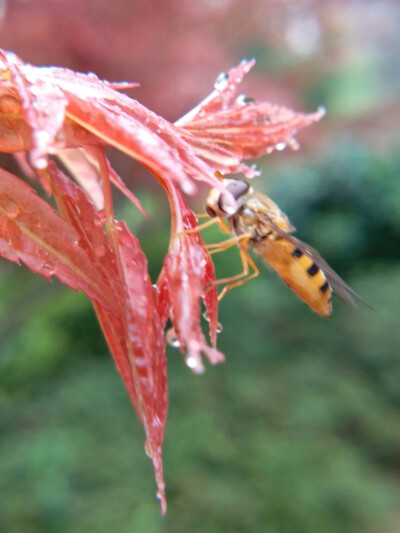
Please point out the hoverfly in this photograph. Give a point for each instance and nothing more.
(260, 224)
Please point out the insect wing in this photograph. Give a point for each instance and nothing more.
(299, 272)
(265, 207)
(339, 286)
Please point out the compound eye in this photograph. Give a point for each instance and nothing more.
(211, 212)
(238, 188)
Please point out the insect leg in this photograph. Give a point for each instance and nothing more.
(223, 226)
(217, 247)
(200, 227)
(207, 224)
(235, 281)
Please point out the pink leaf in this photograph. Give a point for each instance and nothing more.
(61, 109)
(145, 347)
(113, 330)
(209, 288)
(253, 129)
(82, 215)
(91, 158)
(243, 127)
(32, 231)
(84, 172)
(186, 278)
(224, 91)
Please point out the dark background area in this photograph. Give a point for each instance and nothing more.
(299, 432)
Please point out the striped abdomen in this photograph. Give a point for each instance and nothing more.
(299, 272)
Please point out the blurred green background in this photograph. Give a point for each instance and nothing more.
(299, 432)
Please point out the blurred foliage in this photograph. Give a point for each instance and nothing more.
(299, 429)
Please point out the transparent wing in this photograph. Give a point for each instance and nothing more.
(338, 285)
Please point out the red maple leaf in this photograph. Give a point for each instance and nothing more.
(54, 111)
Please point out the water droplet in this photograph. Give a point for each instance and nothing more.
(194, 363)
(156, 422)
(60, 136)
(10, 206)
(221, 82)
(37, 162)
(191, 361)
(42, 138)
(293, 143)
(206, 317)
(48, 269)
(242, 99)
(147, 449)
(172, 338)
(71, 242)
(220, 327)
(280, 146)
(100, 250)
(80, 132)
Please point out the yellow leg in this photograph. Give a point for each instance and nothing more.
(200, 227)
(213, 248)
(223, 226)
(217, 247)
(207, 224)
(235, 281)
(243, 277)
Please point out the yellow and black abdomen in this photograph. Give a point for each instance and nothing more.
(299, 272)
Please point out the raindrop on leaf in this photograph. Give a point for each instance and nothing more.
(10, 206)
(48, 269)
(221, 82)
(242, 99)
(194, 363)
(99, 250)
(172, 338)
(280, 146)
(147, 449)
(206, 317)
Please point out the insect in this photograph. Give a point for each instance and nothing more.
(260, 224)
